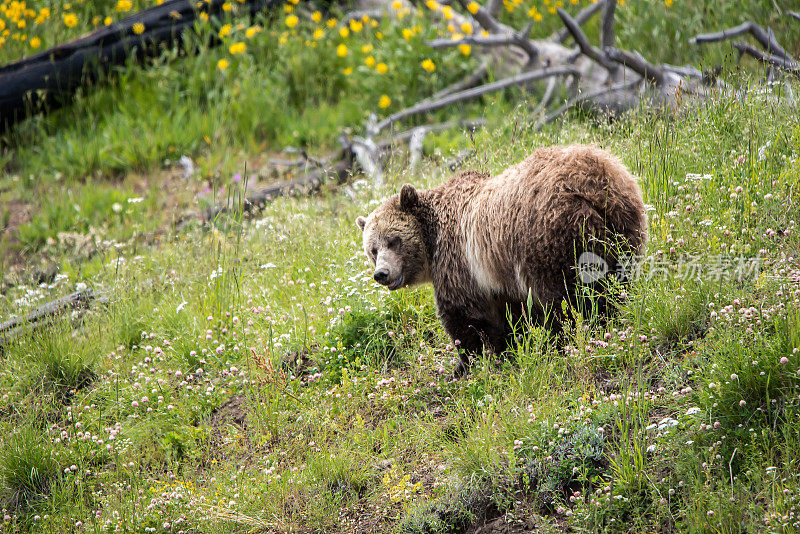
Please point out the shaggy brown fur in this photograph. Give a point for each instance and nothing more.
(485, 243)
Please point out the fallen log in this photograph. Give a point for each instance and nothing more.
(49, 79)
(311, 181)
(40, 316)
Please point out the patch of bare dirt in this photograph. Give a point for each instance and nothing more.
(231, 412)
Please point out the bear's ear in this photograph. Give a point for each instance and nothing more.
(361, 222)
(408, 197)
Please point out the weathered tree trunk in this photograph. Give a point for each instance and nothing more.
(49, 79)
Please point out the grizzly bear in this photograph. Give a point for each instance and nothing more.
(491, 246)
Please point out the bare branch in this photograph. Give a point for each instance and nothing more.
(636, 63)
(493, 7)
(785, 64)
(486, 20)
(304, 159)
(548, 93)
(310, 181)
(581, 99)
(469, 94)
(519, 39)
(767, 39)
(402, 137)
(561, 35)
(607, 26)
(368, 157)
(583, 42)
(793, 14)
(683, 72)
(476, 78)
(375, 14)
(80, 299)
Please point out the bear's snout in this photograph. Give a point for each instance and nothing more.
(381, 276)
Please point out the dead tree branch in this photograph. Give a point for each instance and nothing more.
(486, 20)
(765, 38)
(469, 94)
(636, 63)
(582, 41)
(474, 79)
(607, 26)
(581, 99)
(519, 39)
(581, 18)
(40, 316)
(782, 63)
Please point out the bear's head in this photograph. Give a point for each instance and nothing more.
(393, 241)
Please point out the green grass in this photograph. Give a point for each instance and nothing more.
(248, 375)
(184, 369)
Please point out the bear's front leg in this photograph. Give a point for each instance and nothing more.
(472, 329)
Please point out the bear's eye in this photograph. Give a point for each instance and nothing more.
(374, 251)
(394, 242)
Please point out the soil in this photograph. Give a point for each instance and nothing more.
(233, 411)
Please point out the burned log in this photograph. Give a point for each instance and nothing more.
(49, 79)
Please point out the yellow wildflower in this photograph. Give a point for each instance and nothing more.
(331, 23)
(466, 27)
(237, 48)
(292, 21)
(668, 3)
(381, 68)
(356, 26)
(433, 5)
(227, 6)
(344, 32)
(316, 16)
(366, 49)
(369, 61)
(225, 31)
(70, 20)
(384, 102)
(223, 64)
(318, 34)
(138, 28)
(428, 65)
(447, 11)
(473, 7)
(457, 36)
(252, 31)
(124, 6)
(397, 4)
(108, 20)
(35, 42)
(465, 49)
(341, 50)
(407, 34)
(348, 71)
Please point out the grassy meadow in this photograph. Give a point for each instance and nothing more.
(247, 375)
